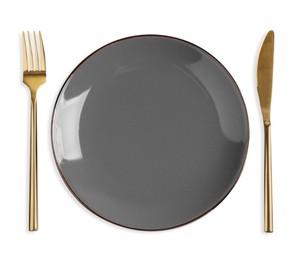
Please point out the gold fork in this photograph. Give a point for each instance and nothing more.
(34, 75)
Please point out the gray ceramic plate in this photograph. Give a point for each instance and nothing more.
(150, 132)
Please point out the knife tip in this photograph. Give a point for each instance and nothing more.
(271, 33)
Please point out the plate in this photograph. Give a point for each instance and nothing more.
(150, 132)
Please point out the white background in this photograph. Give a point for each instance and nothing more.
(230, 30)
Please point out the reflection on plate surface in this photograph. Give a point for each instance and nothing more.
(150, 132)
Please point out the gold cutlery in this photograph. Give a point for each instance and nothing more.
(264, 88)
(34, 75)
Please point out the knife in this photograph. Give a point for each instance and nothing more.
(264, 88)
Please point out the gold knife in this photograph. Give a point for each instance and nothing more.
(264, 88)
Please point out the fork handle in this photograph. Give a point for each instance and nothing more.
(33, 182)
(268, 195)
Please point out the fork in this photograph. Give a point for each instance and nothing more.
(34, 75)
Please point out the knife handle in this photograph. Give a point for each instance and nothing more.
(268, 194)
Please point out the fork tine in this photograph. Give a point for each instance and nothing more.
(24, 51)
(30, 53)
(36, 57)
(42, 53)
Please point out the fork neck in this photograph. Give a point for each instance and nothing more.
(33, 96)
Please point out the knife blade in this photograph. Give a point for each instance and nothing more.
(265, 75)
(264, 87)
